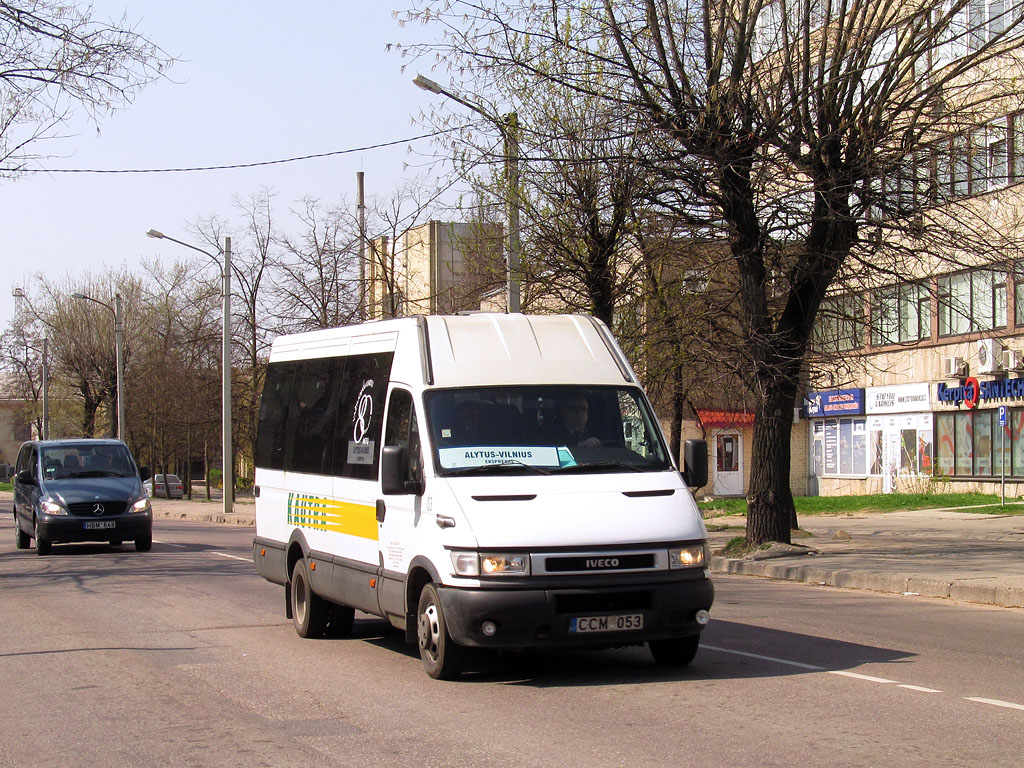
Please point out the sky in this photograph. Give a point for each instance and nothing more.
(255, 81)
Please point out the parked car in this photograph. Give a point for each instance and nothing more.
(171, 488)
(80, 490)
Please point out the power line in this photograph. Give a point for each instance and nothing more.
(235, 165)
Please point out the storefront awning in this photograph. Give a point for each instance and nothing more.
(725, 419)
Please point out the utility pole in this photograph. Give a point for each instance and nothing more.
(46, 389)
(228, 462)
(361, 208)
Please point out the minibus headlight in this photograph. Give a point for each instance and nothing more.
(687, 557)
(52, 508)
(500, 565)
(490, 564)
(142, 505)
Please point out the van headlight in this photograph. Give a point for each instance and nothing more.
(490, 564)
(690, 556)
(52, 508)
(142, 505)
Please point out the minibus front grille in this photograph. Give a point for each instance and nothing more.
(97, 508)
(598, 563)
(586, 602)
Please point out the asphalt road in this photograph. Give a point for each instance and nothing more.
(182, 657)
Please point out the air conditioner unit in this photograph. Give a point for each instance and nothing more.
(1012, 360)
(953, 367)
(990, 355)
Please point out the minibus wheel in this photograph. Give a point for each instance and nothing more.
(442, 657)
(340, 619)
(21, 539)
(675, 651)
(309, 611)
(42, 545)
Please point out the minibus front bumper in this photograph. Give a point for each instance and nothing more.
(576, 615)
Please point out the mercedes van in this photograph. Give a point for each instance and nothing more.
(80, 490)
(487, 480)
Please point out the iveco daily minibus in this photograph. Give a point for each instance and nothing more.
(486, 480)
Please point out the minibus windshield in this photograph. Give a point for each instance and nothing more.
(543, 429)
(86, 460)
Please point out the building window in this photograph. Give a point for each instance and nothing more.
(972, 301)
(840, 324)
(900, 314)
(840, 447)
(971, 444)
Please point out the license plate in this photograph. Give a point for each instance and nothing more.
(93, 524)
(618, 623)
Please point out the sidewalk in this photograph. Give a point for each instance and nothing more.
(933, 553)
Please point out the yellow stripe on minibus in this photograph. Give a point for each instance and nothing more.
(323, 514)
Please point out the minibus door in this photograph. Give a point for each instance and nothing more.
(400, 505)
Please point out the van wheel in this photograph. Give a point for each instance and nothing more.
(675, 651)
(144, 543)
(309, 610)
(340, 619)
(21, 539)
(42, 545)
(442, 657)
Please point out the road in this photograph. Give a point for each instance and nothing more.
(182, 657)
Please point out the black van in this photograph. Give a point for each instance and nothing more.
(80, 490)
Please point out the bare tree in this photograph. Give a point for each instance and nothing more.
(782, 122)
(55, 56)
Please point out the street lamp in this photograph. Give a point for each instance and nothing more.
(509, 128)
(118, 352)
(228, 461)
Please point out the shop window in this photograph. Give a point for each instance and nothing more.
(840, 447)
(945, 445)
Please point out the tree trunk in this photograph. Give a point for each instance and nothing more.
(770, 508)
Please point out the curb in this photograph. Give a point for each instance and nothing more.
(896, 583)
(204, 517)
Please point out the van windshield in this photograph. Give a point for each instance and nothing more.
(86, 460)
(543, 429)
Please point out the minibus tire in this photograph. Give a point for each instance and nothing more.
(340, 619)
(144, 543)
(309, 610)
(21, 539)
(442, 657)
(675, 651)
(42, 545)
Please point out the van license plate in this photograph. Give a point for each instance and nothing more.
(618, 623)
(93, 524)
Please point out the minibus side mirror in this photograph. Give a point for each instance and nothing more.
(25, 477)
(695, 463)
(394, 472)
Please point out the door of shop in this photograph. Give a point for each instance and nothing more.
(728, 479)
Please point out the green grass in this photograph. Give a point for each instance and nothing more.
(6, 486)
(986, 503)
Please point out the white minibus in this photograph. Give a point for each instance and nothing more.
(478, 480)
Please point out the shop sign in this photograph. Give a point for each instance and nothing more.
(834, 402)
(971, 392)
(901, 398)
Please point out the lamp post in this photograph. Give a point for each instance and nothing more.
(509, 128)
(228, 460)
(118, 353)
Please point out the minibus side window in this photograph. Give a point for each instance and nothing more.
(273, 420)
(362, 393)
(403, 430)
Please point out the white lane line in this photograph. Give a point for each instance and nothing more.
(859, 676)
(233, 557)
(920, 688)
(169, 544)
(765, 658)
(996, 702)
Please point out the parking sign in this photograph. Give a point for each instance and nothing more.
(1002, 415)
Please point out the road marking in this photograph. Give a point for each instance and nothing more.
(859, 676)
(765, 658)
(920, 688)
(996, 702)
(169, 544)
(233, 557)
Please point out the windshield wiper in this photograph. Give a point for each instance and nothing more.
(496, 469)
(598, 466)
